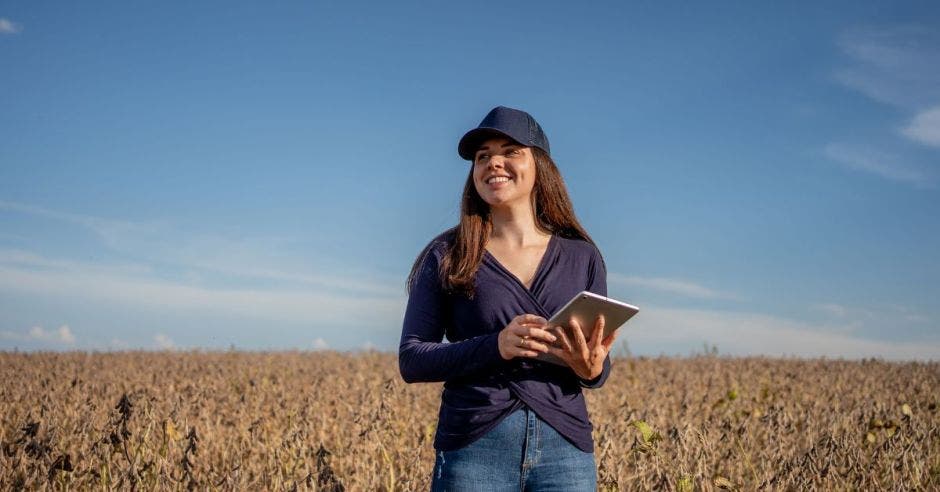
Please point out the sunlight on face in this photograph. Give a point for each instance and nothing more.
(504, 172)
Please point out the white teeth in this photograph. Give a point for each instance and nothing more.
(497, 179)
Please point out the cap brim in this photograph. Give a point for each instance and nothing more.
(472, 140)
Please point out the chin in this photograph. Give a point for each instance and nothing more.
(499, 202)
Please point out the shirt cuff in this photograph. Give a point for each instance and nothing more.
(590, 383)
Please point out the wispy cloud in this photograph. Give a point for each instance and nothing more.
(737, 333)
(320, 344)
(897, 65)
(925, 127)
(875, 162)
(832, 309)
(109, 230)
(201, 275)
(9, 27)
(889, 313)
(156, 241)
(680, 287)
(21, 258)
(61, 336)
(321, 306)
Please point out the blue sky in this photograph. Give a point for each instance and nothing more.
(760, 178)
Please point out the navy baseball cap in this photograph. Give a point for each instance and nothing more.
(504, 122)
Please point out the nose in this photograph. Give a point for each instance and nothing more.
(494, 162)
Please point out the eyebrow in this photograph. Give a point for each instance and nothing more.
(508, 144)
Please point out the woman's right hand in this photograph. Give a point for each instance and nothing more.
(525, 336)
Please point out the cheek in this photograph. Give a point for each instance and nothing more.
(475, 176)
(529, 180)
(527, 171)
(476, 182)
(478, 173)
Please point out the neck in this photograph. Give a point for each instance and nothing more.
(516, 226)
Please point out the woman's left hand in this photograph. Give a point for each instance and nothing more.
(584, 357)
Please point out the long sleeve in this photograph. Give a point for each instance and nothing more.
(422, 355)
(598, 286)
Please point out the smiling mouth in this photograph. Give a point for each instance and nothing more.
(497, 179)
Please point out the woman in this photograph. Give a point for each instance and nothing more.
(518, 254)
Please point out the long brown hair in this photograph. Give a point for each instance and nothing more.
(467, 240)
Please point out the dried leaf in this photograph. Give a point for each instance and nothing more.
(906, 410)
(171, 431)
(724, 483)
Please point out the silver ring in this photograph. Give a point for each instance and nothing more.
(522, 342)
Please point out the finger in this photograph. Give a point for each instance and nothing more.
(577, 335)
(530, 319)
(537, 333)
(522, 330)
(524, 348)
(597, 331)
(531, 344)
(563, 341)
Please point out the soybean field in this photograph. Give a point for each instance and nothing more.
(346, 421)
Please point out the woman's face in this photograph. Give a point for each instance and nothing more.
(504, 172)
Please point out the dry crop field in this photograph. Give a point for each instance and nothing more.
(331, 421)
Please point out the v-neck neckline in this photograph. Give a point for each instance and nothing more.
(538, 269)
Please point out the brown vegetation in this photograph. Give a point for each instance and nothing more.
(328, 421)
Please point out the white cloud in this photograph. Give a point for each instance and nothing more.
(925, 127)
(320, 344)
(368, 346)
(674, 286)
(163, 341)
(61, 336)
(875, 162)
(736, 333)
(9, 27)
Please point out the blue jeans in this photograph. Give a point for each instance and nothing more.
(521, 453)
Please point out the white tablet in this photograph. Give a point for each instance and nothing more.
(584, 308)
